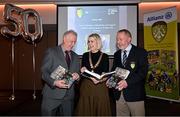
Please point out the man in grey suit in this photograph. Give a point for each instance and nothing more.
(58, 99)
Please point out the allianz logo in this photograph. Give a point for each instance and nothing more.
(167, 15)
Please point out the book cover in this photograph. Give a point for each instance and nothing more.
(60, 73)
(120, 74)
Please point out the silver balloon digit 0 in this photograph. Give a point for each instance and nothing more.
(38, 30)
(32, 38)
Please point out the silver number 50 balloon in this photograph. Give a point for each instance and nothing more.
(19, 18)
(21, 25)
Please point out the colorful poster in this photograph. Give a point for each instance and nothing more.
(160, 40)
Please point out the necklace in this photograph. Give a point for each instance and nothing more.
(90, 61)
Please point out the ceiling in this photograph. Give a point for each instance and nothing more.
(81, 1)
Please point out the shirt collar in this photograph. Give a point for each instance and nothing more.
(65, 50)
(128, 48)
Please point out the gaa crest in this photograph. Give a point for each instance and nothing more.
(159, 30)
(132, 64)
(79, 12)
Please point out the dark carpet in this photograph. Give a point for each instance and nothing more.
(25, 105)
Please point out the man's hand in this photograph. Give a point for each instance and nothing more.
(94, 80)
(60, 84)
(75, 76)
(121, 85)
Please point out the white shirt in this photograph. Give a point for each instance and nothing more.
(128, 49)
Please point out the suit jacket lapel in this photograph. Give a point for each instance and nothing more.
(61, 56)
(130, 56)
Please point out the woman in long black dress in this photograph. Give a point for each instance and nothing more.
(94, 97)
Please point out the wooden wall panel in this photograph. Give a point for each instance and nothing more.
(23, 60)
(5, 63)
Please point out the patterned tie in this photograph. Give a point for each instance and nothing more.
(124, 58)
(68, 60)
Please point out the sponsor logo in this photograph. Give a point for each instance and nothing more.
(168, 15)
(149, 19)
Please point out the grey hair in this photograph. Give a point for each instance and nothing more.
(127, 32)
(70, 32)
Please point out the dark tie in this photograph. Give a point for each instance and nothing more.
(124, 58)
(67, 57)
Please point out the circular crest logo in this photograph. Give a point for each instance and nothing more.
(159, 30)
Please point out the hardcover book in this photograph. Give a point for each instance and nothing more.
(120, 74)
(88, 73)
(60, 73)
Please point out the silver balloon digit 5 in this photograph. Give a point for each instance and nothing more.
(9, 10)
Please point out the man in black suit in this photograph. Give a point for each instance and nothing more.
(130, 93)
(58, 99)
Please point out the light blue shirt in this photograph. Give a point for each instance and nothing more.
(128, 49)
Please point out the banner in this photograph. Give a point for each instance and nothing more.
(161, 42)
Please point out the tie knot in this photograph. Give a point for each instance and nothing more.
(67, 52)
(125, 51)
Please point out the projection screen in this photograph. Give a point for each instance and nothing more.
(105, 20)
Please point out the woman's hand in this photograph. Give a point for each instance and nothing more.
(94, 80)
(108, 84)
(103, 79)
(83, 69)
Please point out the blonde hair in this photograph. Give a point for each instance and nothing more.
(97, 38)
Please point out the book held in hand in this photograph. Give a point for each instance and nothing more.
(120, 74)
(88, 73)
(60, 73)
